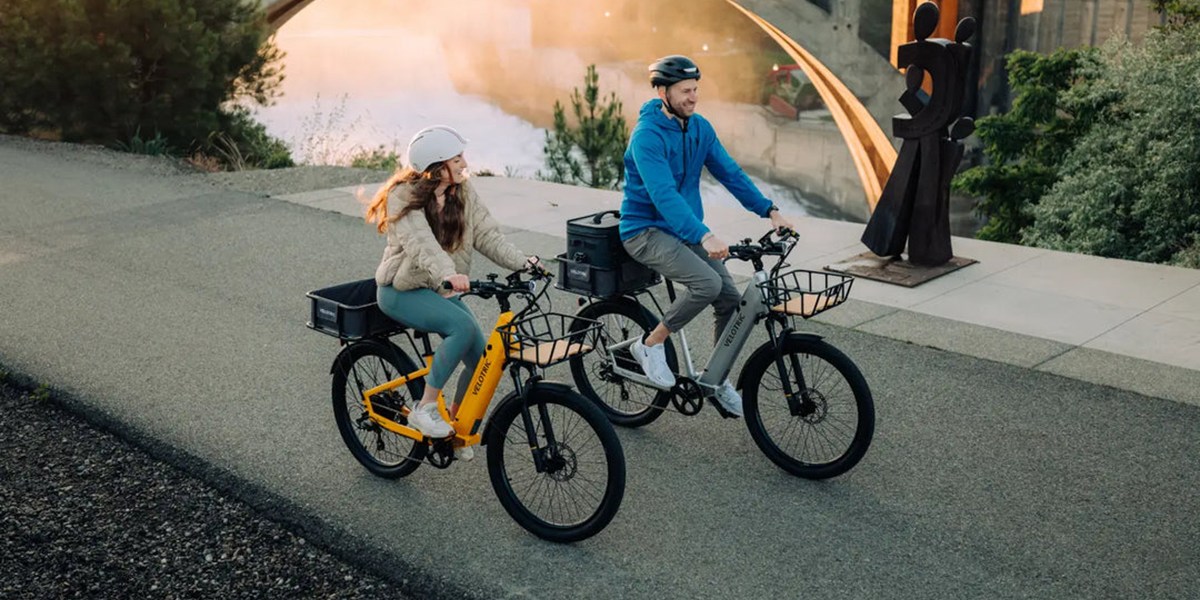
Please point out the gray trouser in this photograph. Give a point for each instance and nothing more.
(706, 280)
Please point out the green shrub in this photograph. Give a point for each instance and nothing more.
(379, 158)
(156, 146)
(1130, 187)
(257, 148)
(1025, 146)
(96, 71)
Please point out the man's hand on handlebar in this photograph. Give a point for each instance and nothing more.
(780, 222)
(716, 248)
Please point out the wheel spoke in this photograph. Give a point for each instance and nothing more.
(624, 402)
(824, 438)
(381, 451)
(571, 494)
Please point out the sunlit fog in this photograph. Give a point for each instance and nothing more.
(367, 73)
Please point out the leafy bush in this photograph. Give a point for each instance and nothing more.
(1129, 188)
(379, 158)
(95, 71)
(257, 148)
(156, 146)
(1098, 154)
(1025, 146)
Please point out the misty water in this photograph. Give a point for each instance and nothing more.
(365, 74)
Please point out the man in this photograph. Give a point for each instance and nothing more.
(662, 219)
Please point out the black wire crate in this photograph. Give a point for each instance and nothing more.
(804, 293)
(545, 339)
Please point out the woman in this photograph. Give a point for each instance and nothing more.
(436, 225)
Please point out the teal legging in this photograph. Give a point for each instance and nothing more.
(426, 310)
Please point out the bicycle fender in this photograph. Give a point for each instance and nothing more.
(530, 391)
(769, 350)
(343, 358)
(627, 300)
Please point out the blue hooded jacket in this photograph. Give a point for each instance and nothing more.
(662, 175)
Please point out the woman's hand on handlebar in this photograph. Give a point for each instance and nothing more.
(458, 282)
(533, 265)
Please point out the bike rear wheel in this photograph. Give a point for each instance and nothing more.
(581, 480)
(624, 402)
(827, 427)
(362, 366)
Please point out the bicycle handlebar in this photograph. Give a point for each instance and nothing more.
(765, 246)
(512, 284)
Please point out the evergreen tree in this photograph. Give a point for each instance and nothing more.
(591, 151)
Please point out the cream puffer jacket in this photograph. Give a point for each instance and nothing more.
(413, 259)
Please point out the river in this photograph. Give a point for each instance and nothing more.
(360, 76)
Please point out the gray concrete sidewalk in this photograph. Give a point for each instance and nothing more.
(1130, 325)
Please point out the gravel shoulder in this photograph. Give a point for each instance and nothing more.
(85, 514)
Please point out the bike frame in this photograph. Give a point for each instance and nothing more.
(734, 336)
(484, 383)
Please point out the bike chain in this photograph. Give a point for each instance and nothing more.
(686, 395)
(684, 406)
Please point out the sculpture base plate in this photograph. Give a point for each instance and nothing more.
(896, 270)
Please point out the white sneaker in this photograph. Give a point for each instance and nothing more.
(729, 399)
(429, 422)
(464, 453)
(653, 360)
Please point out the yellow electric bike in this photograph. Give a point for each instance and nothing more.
(554, 461)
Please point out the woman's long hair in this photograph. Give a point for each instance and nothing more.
(447, 224)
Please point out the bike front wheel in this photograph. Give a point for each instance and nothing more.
(362, 366)
(825, 428)
(555, 463)
(624, 402)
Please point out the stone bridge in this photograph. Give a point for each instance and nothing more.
(840, 47)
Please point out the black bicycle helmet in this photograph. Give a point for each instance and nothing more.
(672, 69)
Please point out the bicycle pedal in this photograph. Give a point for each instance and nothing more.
(721, 409)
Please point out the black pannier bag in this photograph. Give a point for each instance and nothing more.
(596, 264)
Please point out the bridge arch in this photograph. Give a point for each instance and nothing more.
(861, 104)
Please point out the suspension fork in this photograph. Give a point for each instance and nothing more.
(796, 401)
(541, 454)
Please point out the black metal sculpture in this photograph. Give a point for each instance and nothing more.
(915, 204)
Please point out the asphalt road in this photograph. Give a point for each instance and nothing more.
(174, 308)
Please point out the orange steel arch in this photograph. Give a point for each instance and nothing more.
(279, 11)
(870, 148)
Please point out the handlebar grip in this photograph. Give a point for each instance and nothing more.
(470, 285)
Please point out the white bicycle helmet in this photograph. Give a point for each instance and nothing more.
(434, 144)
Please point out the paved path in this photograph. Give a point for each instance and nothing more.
(1125, 324)
(176, 308)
